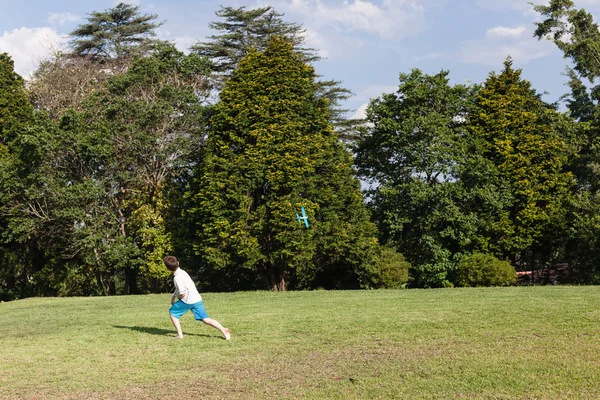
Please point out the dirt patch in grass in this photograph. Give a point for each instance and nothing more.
(278, 375)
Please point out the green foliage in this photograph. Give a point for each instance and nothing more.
(242, 31)
(485, 270)
(90, 192)
(16, 114)
(15, 108)
(388, 269)
(574, 32)
(419, 154)
(114, 33)
(269, 152)
(519, 138)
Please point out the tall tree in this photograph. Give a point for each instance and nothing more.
(418, 155)
(97, 194)
(17, 272)
(242, 30)
(577, 35)
(99, 49)
(270, 152)
(15, 107)
(520, 140)
(114, 33)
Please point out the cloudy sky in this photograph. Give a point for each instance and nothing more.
(365, 43)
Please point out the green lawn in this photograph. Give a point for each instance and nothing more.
(498, 343)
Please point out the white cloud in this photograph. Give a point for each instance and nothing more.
(372, 91)
(500, 42)
(360, 113)
(62, 18)
(183, 43)
(504, 32)
(366, 94)
(431, 56)
(498, 5)
(348, 29)
(523, 5)
(27, 46)
(391, 20)
(315, 40)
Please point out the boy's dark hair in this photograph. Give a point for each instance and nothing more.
(171, 263)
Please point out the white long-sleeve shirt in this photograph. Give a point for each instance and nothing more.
(185, 285)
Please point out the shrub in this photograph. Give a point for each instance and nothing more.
(388, 270)
(485, 270)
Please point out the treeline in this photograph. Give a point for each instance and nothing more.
(113, 155)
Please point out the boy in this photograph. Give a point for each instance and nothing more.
(185, 298)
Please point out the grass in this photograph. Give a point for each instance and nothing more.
(497, 343)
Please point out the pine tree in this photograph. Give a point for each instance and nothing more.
(243, 30)
(270, 152)
(114, 33)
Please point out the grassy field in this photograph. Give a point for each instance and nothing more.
(497, 343)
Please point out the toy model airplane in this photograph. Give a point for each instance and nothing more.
(303, 217)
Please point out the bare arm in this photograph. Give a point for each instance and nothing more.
(176, 296)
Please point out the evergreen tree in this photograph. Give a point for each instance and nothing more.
(114, 33)
(15, 107)
(243, 30)
(19, 257)
(270, 152)
(519, 139)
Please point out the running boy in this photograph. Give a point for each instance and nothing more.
(186, 297)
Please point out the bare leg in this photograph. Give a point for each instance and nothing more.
(215, 324)
(177, 326)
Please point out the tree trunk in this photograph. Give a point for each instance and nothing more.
(276, 279)
(131, 281)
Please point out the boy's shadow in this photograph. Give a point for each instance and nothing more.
(158, 331)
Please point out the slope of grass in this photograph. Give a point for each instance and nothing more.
(498, 343)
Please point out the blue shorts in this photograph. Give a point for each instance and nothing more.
(179, 308)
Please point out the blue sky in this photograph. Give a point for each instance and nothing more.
(365, 43)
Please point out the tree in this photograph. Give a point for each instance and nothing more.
(574, 32)
(577, 35)
(15, 113)
(63, 82)
(103, 47)
(271, 151)
(94, 188)
(520, 140)
(245, 30)
(420, 160)
(15, 108)
(114, 33)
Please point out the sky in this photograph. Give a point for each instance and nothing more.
(365, 44)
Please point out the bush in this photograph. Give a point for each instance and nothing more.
(485, 270)
(387, 270)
